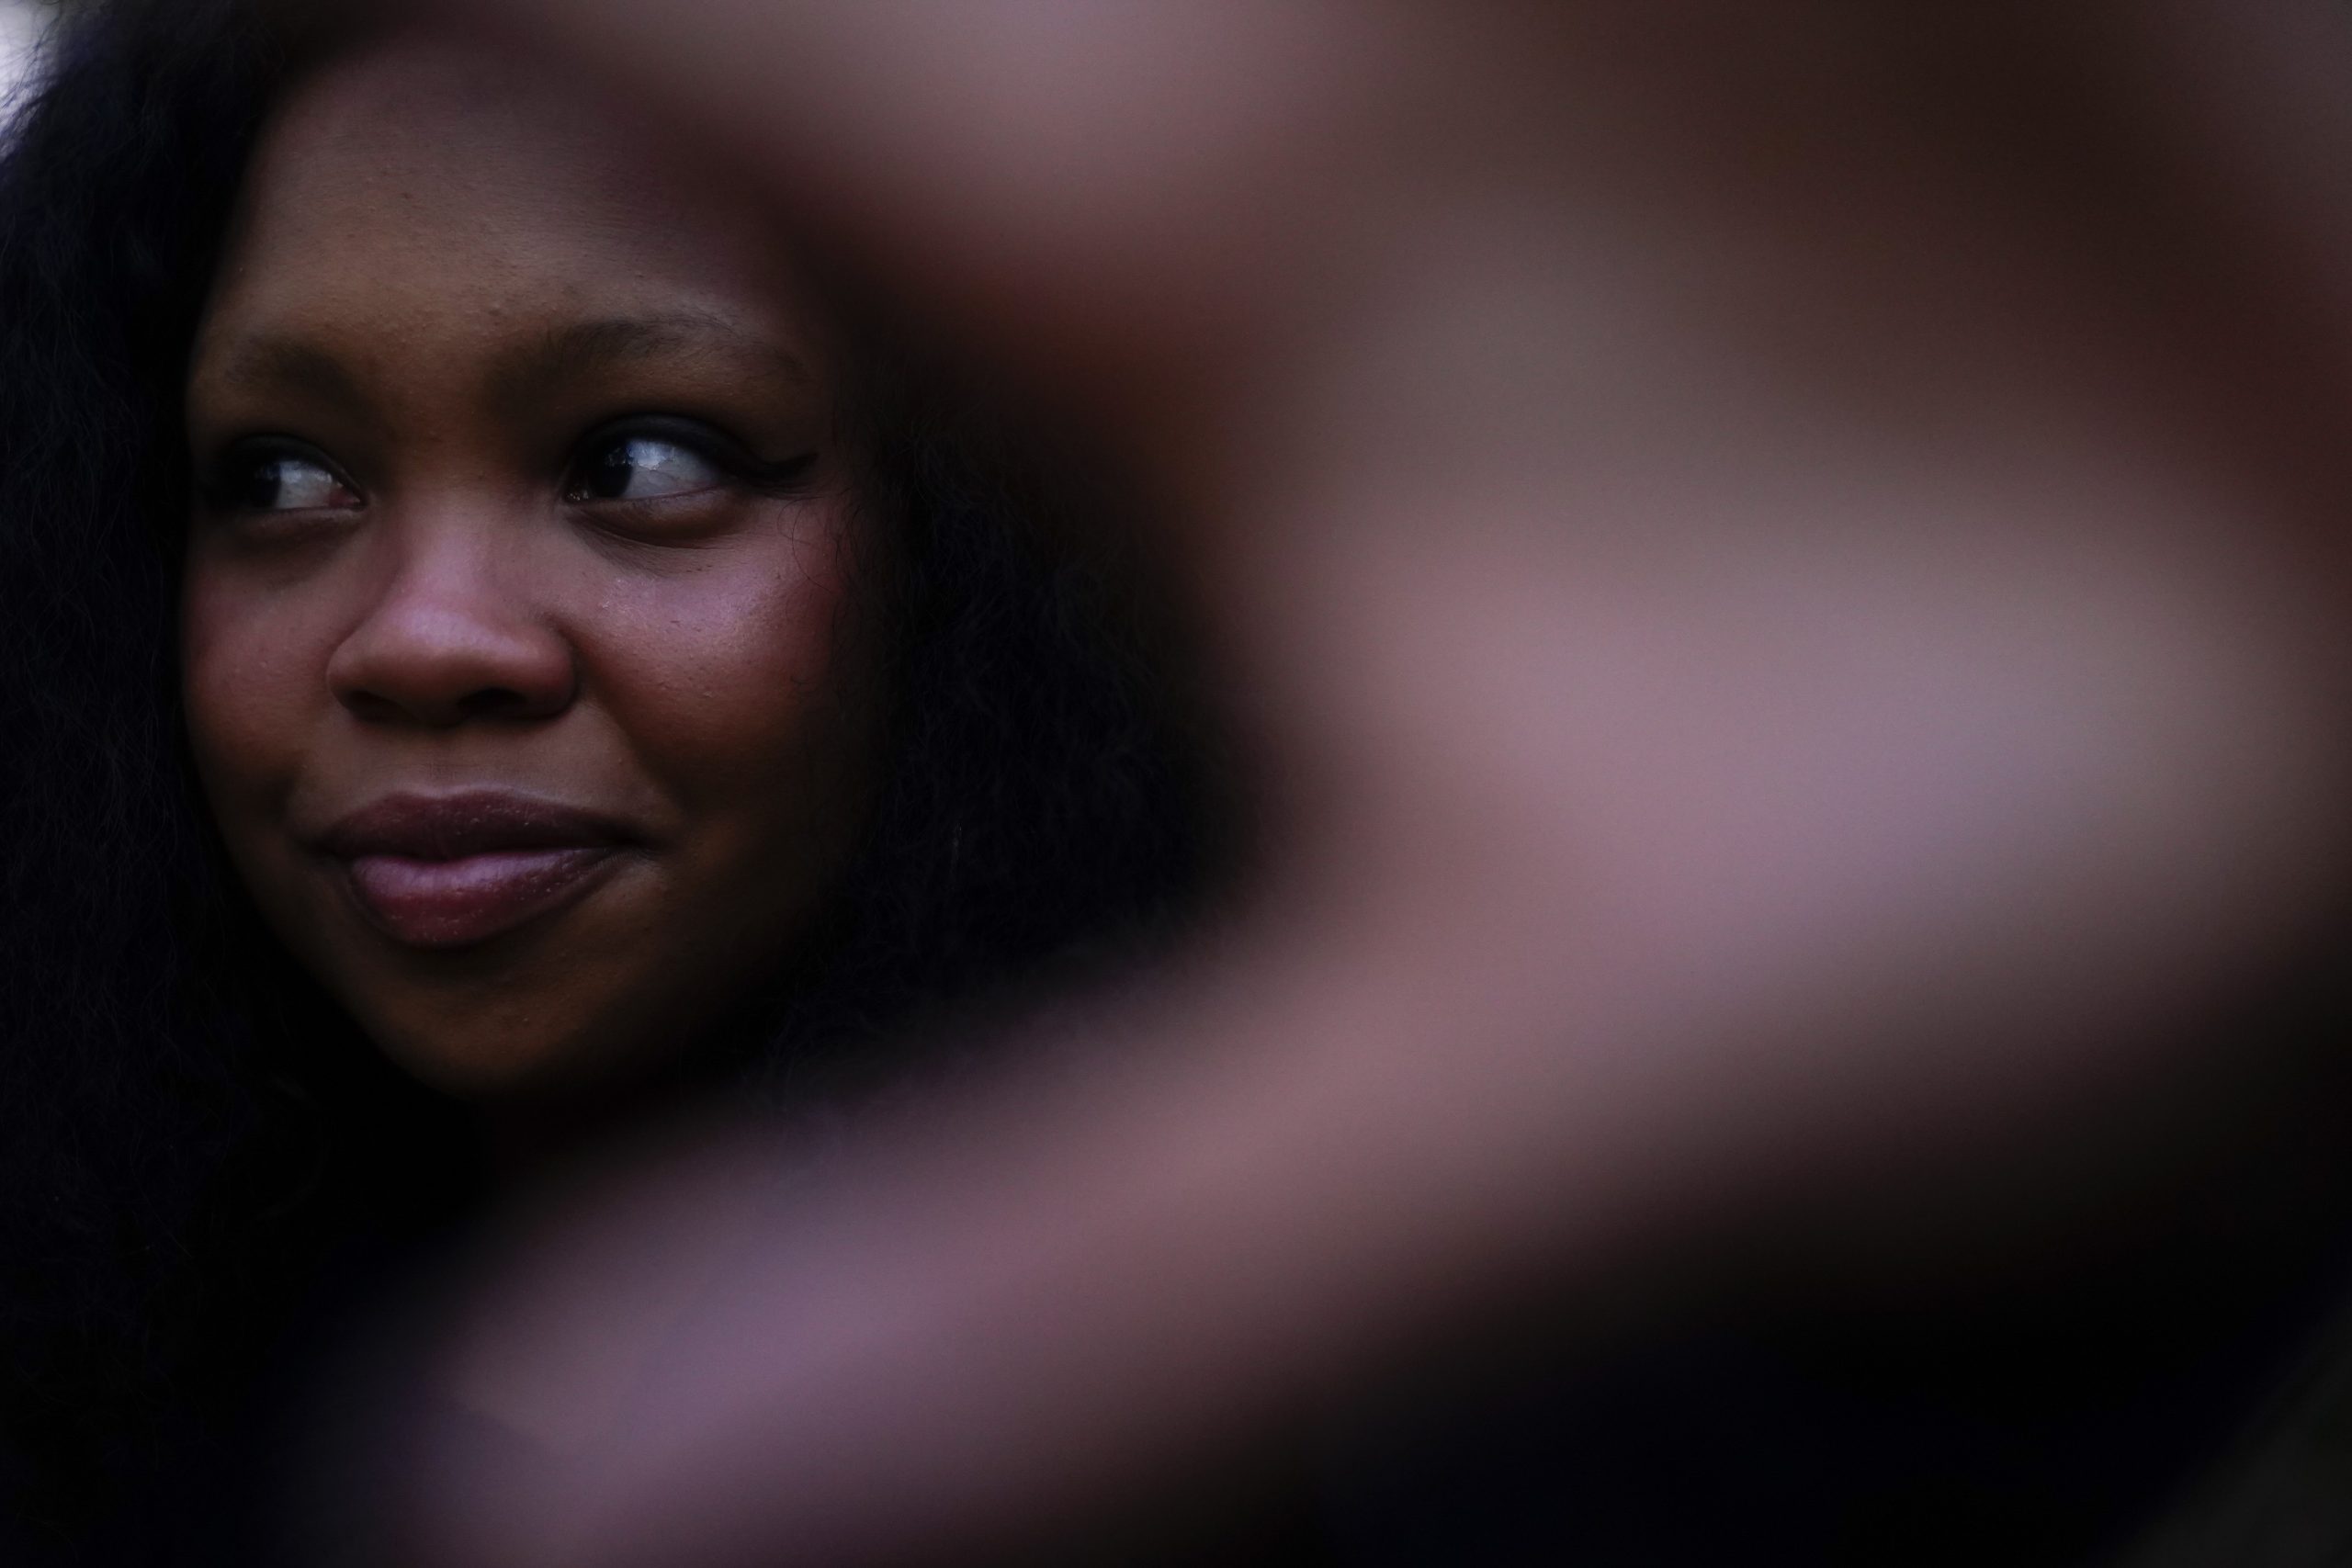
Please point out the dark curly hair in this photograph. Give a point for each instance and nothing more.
(199, 1156)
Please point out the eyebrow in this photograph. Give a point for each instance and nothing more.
(582, 348)
(296, 366)
(285, 365)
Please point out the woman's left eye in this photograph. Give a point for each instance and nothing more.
(642, 468)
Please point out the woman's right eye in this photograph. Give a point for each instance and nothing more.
(283, 481)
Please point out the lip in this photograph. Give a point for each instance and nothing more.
(446, 871)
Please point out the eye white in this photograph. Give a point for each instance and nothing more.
(643, 469)
(295, 484)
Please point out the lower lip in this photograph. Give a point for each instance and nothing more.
(455, 903)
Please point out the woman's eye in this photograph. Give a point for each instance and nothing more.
(286, 481)
(643, 468)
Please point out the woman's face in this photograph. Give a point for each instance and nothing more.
(521, 660)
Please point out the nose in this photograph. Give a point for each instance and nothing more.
(450, 640)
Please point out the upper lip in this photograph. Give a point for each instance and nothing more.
(467, 823)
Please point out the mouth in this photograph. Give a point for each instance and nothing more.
(454, 870)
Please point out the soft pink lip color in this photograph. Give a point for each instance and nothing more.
(447, 871)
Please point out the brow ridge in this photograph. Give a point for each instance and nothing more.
(581, 349)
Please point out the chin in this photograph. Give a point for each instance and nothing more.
(507, 1058)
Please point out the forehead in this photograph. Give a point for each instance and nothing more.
(426, 184)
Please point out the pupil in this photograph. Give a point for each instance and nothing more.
(609, 479)
(266, 484)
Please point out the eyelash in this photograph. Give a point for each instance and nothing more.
(785, 479)
(224, 485)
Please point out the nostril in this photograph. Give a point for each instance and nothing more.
(483, 702)
(372, 709)
(497, 701)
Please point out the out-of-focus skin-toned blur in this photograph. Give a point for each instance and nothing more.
(1781, 571)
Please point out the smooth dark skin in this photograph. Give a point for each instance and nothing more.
(449, 278)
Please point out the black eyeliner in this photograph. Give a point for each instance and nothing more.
(782, 480)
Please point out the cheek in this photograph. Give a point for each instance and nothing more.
(751, 674)
(251, 679)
